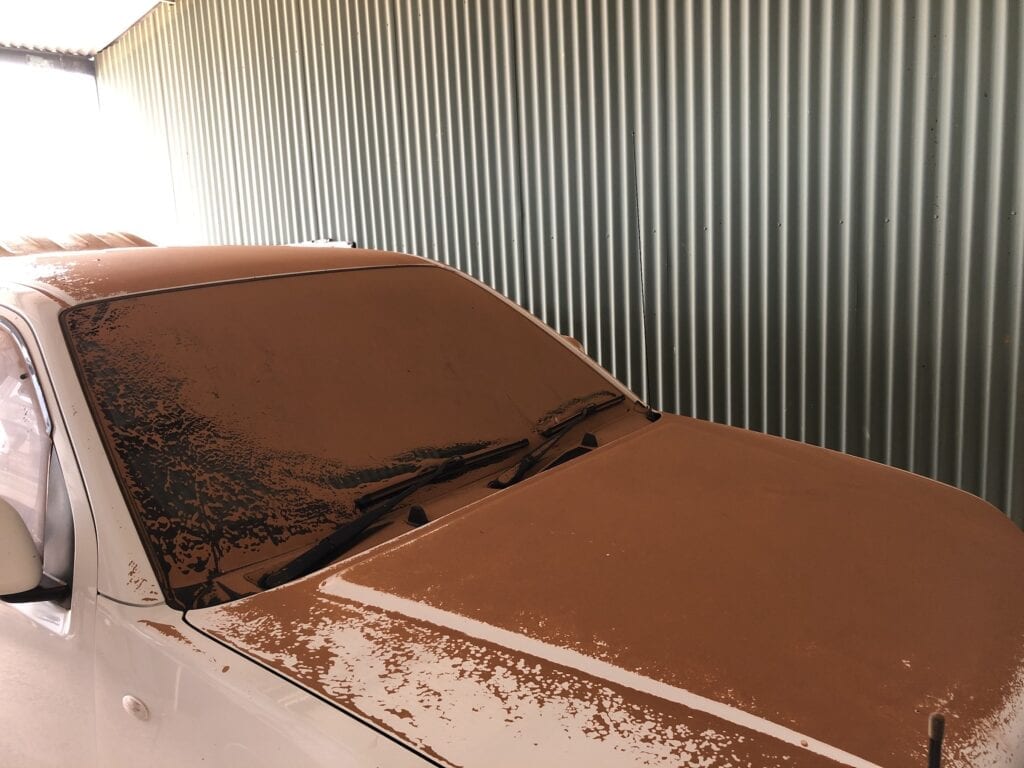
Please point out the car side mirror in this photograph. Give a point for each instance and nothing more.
(21, 568)
(575, 342)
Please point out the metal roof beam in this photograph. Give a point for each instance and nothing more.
(63, 61)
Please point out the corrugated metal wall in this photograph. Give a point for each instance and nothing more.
(801, 217)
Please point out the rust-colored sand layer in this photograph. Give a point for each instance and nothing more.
(817, 590)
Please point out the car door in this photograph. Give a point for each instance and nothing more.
(46, 647)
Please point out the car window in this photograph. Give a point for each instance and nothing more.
(58, 528)
(31, 479)
(24, 439)
(243, 419)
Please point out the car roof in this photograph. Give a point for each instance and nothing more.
(73, 278)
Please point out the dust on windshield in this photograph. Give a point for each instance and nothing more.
(244, 418)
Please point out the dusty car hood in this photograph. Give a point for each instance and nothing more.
(688, 595)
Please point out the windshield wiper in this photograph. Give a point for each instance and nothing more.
(374, 505)
(554, 433)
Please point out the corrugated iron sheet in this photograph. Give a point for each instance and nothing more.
(78, 28)
(46, 60)
(79, 241)
(800, 217)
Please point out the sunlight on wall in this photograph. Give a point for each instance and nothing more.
(53, 178)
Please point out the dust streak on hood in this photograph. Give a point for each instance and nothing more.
(690, 594)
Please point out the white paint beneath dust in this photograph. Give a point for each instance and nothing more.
(999, 743)
(474, 705)
(339, 587)
(430, 682)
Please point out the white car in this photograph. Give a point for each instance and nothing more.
(315, 507)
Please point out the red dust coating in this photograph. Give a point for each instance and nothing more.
(465, 701)
(85, 276)
(245, 419)
(805, 586)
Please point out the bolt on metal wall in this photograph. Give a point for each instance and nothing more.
(800, 217)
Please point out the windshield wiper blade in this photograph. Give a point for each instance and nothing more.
(374, 505)
(554, 433)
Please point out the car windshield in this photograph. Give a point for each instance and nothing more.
(243, 419)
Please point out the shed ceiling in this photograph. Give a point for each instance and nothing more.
(80, 27)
